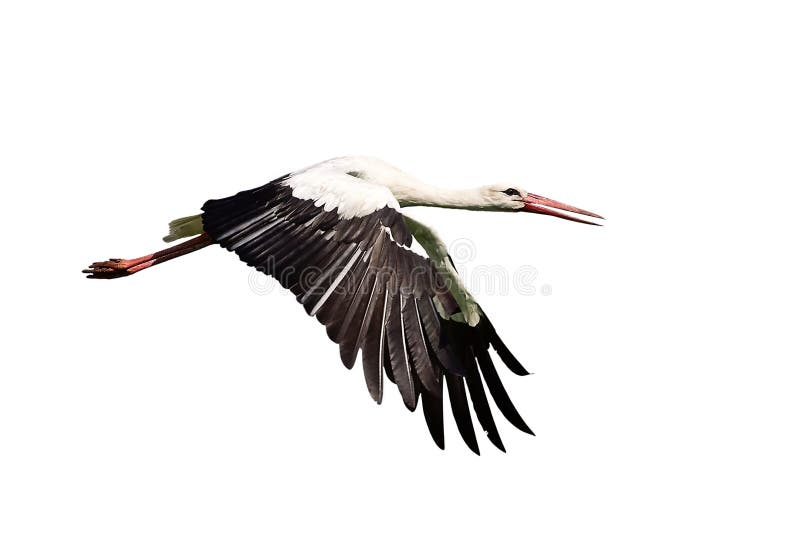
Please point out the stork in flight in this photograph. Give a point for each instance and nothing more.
(333, 234)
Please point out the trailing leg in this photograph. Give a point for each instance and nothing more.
(117, 268)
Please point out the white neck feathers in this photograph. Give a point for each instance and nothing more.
(426, 195)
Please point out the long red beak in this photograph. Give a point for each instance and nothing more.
(545, 206)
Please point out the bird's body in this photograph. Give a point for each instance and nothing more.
(334, 235)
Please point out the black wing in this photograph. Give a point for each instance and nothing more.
(375, 296)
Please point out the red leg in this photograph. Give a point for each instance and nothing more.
(116, 268)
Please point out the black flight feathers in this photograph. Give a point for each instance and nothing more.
(374, 296)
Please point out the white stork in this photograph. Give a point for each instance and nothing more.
(334, 235)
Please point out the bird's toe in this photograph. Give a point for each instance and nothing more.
(111, 263)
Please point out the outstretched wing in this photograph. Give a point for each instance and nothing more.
(341, 246)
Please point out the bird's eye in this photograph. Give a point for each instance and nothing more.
(511, 192)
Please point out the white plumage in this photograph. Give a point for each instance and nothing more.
(331, 187)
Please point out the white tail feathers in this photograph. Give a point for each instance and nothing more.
(184, 227)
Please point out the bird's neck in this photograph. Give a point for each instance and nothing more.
(436, 197)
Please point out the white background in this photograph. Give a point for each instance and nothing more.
(665, 394)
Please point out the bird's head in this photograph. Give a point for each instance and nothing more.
(507, 197)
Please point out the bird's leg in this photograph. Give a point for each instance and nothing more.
(116, 268)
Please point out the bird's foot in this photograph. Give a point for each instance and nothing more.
(113, 268)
